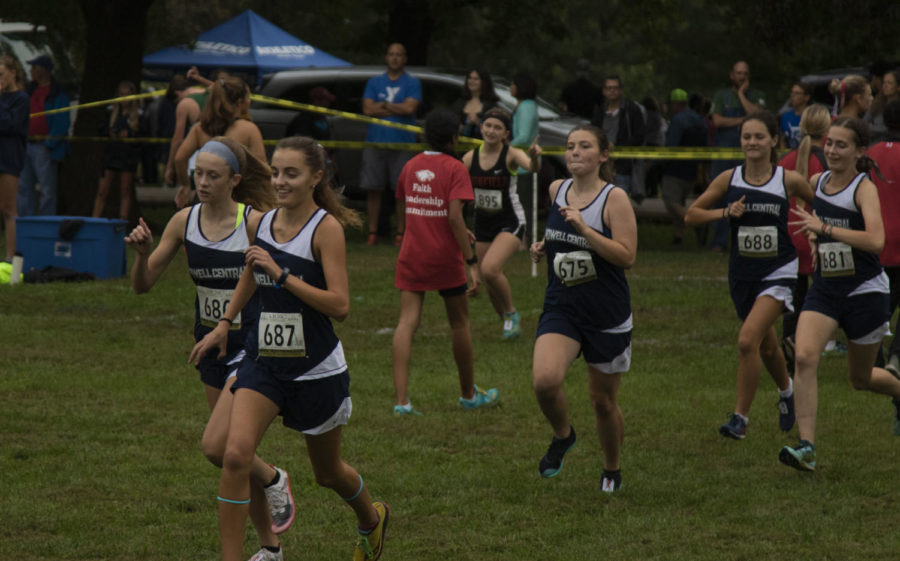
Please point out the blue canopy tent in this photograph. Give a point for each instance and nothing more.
(247, 43)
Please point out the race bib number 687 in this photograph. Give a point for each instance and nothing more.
(281, 335)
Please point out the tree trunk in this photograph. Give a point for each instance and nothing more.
(411, 24)
(115, 45)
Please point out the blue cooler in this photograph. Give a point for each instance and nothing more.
(86, 245)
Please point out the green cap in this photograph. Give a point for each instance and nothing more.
(678, 95)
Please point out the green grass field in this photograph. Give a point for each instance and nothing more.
(101, 417)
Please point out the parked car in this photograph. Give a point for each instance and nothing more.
(439, 90)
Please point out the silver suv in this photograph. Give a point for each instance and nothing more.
(439, 90)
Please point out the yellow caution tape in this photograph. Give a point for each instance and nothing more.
(101, 103)
(465, 143)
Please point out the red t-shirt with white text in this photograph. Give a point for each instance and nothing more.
(887, 156)
(430, 258)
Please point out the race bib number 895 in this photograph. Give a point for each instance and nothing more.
(836, 259)
(488, 199)
(574, 267)
(281, 335)
(758, 241)
(212, 302)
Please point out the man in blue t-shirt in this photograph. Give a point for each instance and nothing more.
(790, 120)
(394, 96)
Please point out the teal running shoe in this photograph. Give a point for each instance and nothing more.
(481, 399)
(511, 327)
(552, 462)
(403, 410)
(802, 458)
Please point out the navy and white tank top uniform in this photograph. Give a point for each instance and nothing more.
(844, 272)
(295, 358)
(763, 260)
(216, 267)
(497, 205)
(295, 341)
(587, 298)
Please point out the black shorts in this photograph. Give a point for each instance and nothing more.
(215, 372)
(744, 293)
(605, 350)
(859, 316)
(487, 226)
(309, 406)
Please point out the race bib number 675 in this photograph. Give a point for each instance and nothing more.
(281, 335)
(574, 267)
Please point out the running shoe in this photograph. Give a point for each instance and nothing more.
(610, 481)
(735, 428)
(281, 502)
(265, 555)
(370, 544)
(896, 417)
(402, 410)
(802, 458)
(372, 239)
(481, 399)
(398, 239)
(552, 462)
(786, 415)
(511, 327)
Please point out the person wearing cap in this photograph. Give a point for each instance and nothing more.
(308, 123)
(43, 155)
(687, 128)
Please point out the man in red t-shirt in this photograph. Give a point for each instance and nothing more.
(47, 145)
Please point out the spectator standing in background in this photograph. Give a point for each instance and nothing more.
(889, 92)
(581, 96)
(13, 140)
(476, 98)
(43, 156)
(687, 128)
(790, 120)
(394, 96)
(729, 107)
(623, 122)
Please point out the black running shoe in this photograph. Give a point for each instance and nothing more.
(552, 462)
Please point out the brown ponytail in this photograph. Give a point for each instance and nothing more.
(326, 194)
